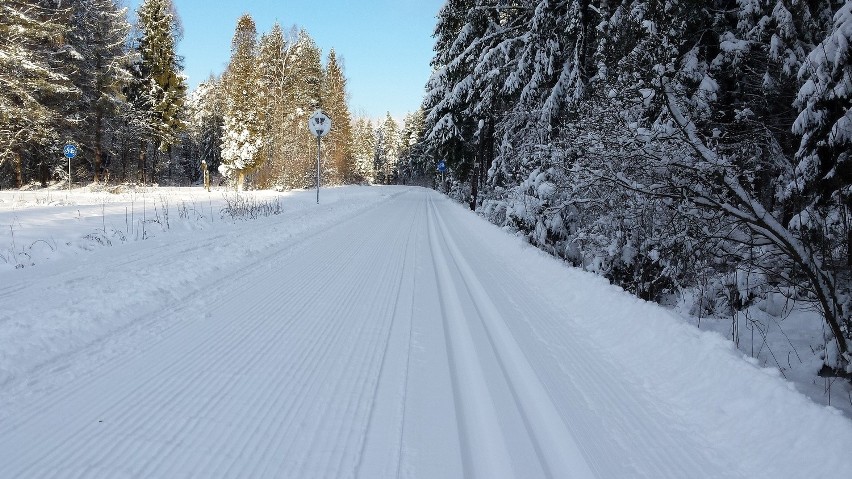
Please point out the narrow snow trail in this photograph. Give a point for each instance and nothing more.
(404, 341)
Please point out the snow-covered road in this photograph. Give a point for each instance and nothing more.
(396, 337)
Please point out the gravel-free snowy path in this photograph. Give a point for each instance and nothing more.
(406, 339)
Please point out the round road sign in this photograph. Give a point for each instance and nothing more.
(319, 124)
(70, 151)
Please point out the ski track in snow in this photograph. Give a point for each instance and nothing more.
(403, 341)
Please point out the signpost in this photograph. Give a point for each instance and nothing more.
(70, 151)
(320, 125)
(442, 167)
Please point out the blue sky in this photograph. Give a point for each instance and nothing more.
(386, 45)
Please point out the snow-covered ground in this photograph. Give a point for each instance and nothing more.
(387, 332)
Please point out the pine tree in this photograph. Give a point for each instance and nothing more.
(412, 164)
(160, 87)
(307, 73)
(29, 121)
(339, 141)
(387, 151)
(448, 123)
(242, 140)
(276, 100)
(364, 148)
(206, 121)
(98, 35)
(825, 119)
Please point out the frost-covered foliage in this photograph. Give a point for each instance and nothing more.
(242, 142)
(667, 145)
(162, 84)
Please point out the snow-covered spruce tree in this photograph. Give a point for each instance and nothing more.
(824, 123)
(206, 120)
(307, 88)
(413, 167)
(546, 122)
(684, 156)
(242, 140)
(363, 150)
(159, 89)
(448, 128)
(276, 88)
(339, 141)
(30, 38)
(387, 151)
(98, 35)
(822, 178)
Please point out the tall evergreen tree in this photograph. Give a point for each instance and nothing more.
(242, 142)
(307, 90)
(206, 121)
(339, 142)
(29, 121)
(387, 150)
(364, 148)
(98, 34)
(276, 85)
(160, 87)
(825, 119)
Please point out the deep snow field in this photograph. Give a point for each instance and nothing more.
(548, 368)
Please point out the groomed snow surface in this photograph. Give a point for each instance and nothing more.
(387, 332)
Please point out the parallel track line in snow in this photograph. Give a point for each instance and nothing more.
(385, 306)
(485, 454)
(572, 371)
(406, 271)
(289, 246)
(556, 445)
(366, 252)
(309, 300)
(223, 335)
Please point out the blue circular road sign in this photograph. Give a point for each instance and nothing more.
(70, 151)
(442, 167)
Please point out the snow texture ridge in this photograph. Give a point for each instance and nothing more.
(387, 333)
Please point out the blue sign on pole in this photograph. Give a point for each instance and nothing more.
(70, 151)
(442, 167)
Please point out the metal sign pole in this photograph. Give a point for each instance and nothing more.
(319, 140)
(70, 151)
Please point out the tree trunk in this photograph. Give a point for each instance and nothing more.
(98, 145)
(44, 172)
(124, 163)
(152, 175)
(143, 150)
(19, 170)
